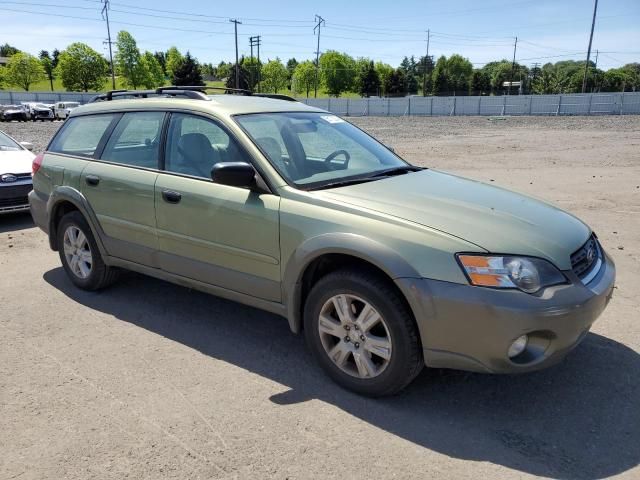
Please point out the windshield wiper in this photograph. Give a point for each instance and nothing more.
(343, 183)
(395, 171)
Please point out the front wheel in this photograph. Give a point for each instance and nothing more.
(80, 256)
(362, 333)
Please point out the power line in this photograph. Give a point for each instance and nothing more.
(513, 65)
(320, 22)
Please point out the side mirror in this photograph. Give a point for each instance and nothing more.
(235, 174)
(27, 145)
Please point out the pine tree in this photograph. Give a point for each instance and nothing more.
(187, 72)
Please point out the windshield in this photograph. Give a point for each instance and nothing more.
(71, 104)
(7, 143)
(315, 150)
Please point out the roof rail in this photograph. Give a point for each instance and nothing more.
(189, 91)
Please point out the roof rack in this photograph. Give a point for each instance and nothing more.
(190, 91)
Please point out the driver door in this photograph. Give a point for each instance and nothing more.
(217, 234)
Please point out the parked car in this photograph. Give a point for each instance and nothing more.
(61, 110)
(19, 113)
(15, 174)
(40, 111)
(383, 265)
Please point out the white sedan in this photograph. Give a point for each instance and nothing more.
(15, 174)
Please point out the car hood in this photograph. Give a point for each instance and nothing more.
(495, 219)
(17, 161)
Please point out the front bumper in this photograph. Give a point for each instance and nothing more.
(13, 197)
(471, 328)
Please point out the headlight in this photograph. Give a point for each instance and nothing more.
(525, 273)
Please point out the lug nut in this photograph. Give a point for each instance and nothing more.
(357, 345)
(347, 327)
(356, 327)
(362, 337)
(347, 339)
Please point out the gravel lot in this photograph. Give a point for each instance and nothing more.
(150, 380)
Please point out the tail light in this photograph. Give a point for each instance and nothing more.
(37, 163)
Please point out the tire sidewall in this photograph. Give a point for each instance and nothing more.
(400, 361)
(77, 220)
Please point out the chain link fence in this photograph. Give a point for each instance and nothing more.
(565, 104)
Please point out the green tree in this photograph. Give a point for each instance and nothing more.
(129, 62)
(384, 72)
(82, 68)
(173, 59)
(244, 75)
(459, 71)
(161, 57)
(337, 72)
(155, 77)
(2, 77)
(48, 66)
(425, 72)
(292, 63)
(304, 77)
(441, 83)
(7, 50)
(254, 71)
(187, 72)
(274, 76)
(23, 70)
(480, 83)
(396, 84)
(368, 82)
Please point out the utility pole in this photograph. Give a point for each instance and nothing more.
(105, 15)
(513, 65)
(320, 21)
(586, 65)
(235, 24)
(426, 60)
(255, 42)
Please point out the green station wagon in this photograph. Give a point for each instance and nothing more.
(385, 266)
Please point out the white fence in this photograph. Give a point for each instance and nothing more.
(565, 104)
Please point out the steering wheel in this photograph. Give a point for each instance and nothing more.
(332, 156)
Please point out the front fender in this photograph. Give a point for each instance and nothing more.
(350, 244)
(63, 194)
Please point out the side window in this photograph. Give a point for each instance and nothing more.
(136, 140)
(81, 135)
(195, 144)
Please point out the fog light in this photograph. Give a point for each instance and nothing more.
(518, 346)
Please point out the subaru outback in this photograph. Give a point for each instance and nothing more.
(384, 266)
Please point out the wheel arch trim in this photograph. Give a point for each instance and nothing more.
(66, 194)
(357, 246)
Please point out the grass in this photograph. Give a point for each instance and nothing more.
(44, 86)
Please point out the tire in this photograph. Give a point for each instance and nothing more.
(396, 329)
(93, 275)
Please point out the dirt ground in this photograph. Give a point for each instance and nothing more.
(147, 380)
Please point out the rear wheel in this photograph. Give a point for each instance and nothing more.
(80, 255)
(362, 333)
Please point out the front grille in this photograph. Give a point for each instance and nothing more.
(11, 193)
(14, 202)
(586, 257)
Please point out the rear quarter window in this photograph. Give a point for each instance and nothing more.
(81, 135)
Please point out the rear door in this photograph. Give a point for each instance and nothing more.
(120, 186)
(217, 234)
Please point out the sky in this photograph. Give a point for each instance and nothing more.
(547, 30)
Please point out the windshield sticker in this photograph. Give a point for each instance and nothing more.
(332, 119)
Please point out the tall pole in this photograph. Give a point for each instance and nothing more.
(426, 60)
(235, 25)
(586, 65)
(105, 12)
(259, 64)
(513, 65)
(320, 21)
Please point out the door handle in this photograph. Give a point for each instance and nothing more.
(171, 197)
(92, 180)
